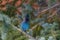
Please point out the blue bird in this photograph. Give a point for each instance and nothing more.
(25, 23)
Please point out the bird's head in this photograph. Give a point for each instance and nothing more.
(26, 18)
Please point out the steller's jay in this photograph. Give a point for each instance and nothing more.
(25, 23)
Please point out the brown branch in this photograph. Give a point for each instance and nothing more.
(54, 13)
(34, 27)
(42, 12)
(22, 32)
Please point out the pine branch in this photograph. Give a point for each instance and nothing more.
(22, 32)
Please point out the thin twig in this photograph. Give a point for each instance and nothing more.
(34, 27)
(42, 12)
(54, 13)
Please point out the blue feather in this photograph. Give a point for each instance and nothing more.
(25, 23)
(24, 26)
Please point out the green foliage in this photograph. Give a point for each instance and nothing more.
(10, 11)
(7, 32)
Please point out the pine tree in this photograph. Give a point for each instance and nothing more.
(43, 17)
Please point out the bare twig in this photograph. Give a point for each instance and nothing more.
(54, 13)
(42, 12)
(34, 27)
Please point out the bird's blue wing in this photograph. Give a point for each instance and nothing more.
(24, 26)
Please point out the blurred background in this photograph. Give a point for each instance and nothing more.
(29, 19)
